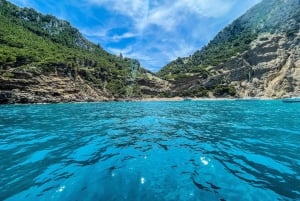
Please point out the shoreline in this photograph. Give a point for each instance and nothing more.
(173, 99)
(204, 99)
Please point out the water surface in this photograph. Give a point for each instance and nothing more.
(192, 150)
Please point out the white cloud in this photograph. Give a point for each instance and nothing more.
(208, 8)
(132, 8)
(167, 14)
(156, 53)
(104, 34)
(126, 35)
(95, 31)
(166, 29)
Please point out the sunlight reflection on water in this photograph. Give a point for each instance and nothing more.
(202, 150)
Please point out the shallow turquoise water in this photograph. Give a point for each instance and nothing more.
(204, 150)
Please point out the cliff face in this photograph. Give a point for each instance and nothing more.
(28, 87)
(257, 55)
(25, 87)
(272, 65)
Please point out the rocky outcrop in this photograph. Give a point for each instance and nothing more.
(19, 86)
(28, 88)
(269, 69)
(153, 86)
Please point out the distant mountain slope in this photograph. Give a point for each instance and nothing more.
(43, 59)
(48, 26)
(255, 47)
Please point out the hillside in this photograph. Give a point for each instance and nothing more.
(256, 55)
(44, 59)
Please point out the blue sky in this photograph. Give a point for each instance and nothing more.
(153, 31)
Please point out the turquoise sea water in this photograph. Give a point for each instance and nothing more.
(193, 150)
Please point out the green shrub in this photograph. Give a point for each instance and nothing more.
(224, 90)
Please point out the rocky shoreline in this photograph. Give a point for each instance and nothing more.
(7, 98)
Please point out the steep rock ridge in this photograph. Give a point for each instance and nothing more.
(257, 55)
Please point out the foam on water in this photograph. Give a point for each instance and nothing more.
(206, 150)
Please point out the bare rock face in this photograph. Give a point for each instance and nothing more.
(270, 69)
(153, 86)
(51, 88)
(17, 86)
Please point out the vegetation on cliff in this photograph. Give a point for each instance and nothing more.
(42, 44)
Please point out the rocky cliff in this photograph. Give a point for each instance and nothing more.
(28, 87)
(271, 68)
(258, 55)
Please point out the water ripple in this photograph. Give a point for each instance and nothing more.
(206, 150)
